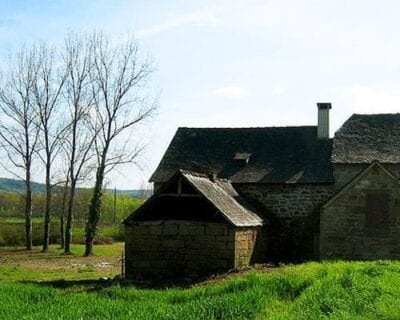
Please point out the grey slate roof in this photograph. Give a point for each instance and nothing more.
(225, 198)
(220, 193)
(278, 154)
(365, 138)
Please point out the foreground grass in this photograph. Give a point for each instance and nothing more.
(16, 264)
(337, 290)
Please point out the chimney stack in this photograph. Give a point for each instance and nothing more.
(323, 119)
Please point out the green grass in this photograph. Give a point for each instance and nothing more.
(337, 290)
(19, 220)
(18, 265)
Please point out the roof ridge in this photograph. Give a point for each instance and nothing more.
(377, 114)
(234, 128)
(203, 175)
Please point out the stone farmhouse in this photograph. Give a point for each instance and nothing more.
(229, 197)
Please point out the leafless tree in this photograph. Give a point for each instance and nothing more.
(63, 189)
(19, 131)
(47, 88)
(82, 132)
(119, 78)
(84, 104)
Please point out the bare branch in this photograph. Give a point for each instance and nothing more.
(118, 82)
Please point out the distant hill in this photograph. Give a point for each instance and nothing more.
(137, 193)
(15, 185)
(19, 186)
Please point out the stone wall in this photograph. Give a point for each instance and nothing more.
(344, 172)
(287, 200)
(174, 249)
(345, 231)
(293, 215)
(249, 246)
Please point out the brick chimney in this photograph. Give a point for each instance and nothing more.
(323, 119)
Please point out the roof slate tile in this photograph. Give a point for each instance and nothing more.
(278, 154)
(364, 138)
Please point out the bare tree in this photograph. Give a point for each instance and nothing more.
(82, 133)
(18, 130)
(47, 88)
(62, 215)
(103, 88)
(62, 194)
(119, 79)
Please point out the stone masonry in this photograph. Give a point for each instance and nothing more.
(346, 232)
(175, 249)
(287, 201)
(249, 246)
(293, 212)
(344, 172)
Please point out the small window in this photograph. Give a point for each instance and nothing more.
(376, 210)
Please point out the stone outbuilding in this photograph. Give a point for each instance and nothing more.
(362, 220)
(316, 197)
(194, 225)
(285, 172)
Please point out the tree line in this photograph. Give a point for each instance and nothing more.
(70, 112)
(116, 207)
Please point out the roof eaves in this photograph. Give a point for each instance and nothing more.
(220, 209)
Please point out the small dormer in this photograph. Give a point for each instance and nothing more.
(242, 157)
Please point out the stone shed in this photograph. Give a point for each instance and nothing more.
(322, 197)
(286, 172)
(194, 225)
(362, 220)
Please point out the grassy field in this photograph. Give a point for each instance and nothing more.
(16, 264)
(12, 232)
(336, 290)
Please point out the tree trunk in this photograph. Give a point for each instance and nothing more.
(47, 217)
(62, 215)
(70, 216)
(94, 209)
(62, 236)
(28, 210)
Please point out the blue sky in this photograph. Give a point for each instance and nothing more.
(235, 63)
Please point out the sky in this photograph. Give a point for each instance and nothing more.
(235, 63)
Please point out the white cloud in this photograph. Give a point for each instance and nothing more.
(373, 100)
(233, 92)
(205, 16)
(246, 13)
(277, 90)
